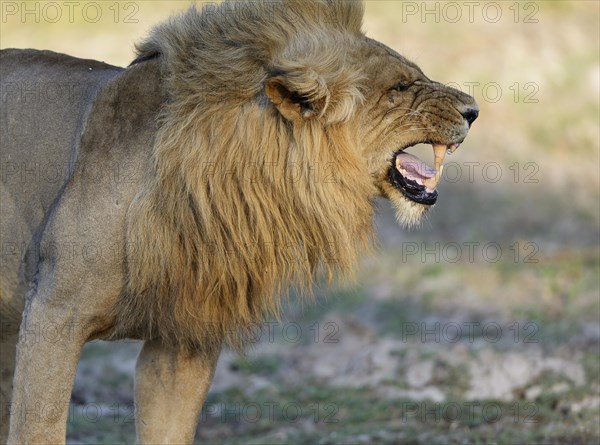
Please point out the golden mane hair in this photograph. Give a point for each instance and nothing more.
(241, 202)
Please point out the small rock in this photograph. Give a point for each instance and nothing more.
(559, 387)
(572, 371)
(590, 402)
(419, 374)
(504, 375)
(534, 392)
(432, 393)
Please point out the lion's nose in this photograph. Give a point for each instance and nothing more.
(470, 114)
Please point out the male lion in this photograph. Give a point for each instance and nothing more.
(237, 155)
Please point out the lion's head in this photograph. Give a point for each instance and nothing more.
(282, 122)
(385, 101)
(403, 108)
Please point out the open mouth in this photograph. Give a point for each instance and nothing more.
(414, 178)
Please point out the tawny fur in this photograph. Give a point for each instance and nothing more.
(243, 203)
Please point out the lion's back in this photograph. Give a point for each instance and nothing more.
(45, 98)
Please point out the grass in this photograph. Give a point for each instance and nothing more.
(263, 365)
(358, 416)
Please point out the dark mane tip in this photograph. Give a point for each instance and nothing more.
(145, 57)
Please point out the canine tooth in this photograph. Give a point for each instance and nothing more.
(431, 183)
(439, 153)
(438, 175)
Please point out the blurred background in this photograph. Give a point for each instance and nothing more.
(480, 326)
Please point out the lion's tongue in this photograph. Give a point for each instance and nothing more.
(413, 168)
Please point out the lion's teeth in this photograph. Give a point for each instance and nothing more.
(399, 167)
(438, 176)
(431, 183)
(439, 153)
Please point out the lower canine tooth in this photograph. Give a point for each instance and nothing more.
(431, 183)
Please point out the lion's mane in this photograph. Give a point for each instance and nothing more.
(241, 203)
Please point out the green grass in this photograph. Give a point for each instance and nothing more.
(101, 424)
(358, 413)
(263, 365)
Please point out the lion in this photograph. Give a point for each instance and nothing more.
(176, 200)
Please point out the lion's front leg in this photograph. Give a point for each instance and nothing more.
(9, 335)
(48, 350)
(170, 387)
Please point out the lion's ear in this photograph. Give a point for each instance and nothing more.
(298, 95)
